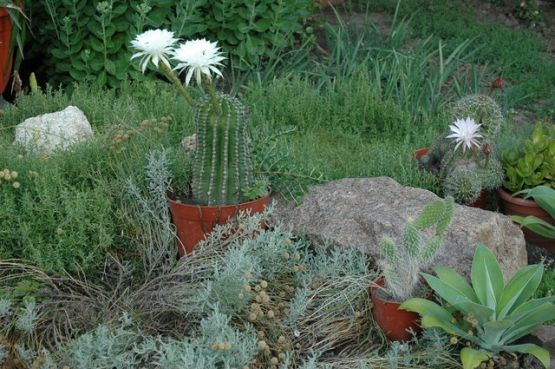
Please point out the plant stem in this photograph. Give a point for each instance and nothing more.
(208, 87)
(177, 83)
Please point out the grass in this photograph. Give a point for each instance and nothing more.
(346, 130)
(517, 55)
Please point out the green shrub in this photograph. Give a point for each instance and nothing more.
(89, 40)
(51, 222)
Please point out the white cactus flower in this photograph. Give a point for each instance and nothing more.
(198, 57)
(465, 132)
(154, 46)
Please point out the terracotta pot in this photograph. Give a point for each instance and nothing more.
(194, 222)
(5, 55)
(421, 152)
(481, 201)
(518, 206)
(395, 323)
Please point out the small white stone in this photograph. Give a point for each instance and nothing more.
(51, 132)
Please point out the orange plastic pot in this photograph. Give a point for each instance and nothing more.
(194, 222)
(5, 54)
(518, 206)
(396, 324)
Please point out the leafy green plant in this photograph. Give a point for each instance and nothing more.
(532, 163)
(89, 38)
(490, 314)
(545, 198)
(402, 266)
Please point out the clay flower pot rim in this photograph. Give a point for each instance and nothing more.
(170, 195)
(507, 196)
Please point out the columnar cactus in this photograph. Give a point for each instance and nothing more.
(484, 110)
(222, 168)
(402, 266)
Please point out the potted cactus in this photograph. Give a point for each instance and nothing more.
(470, 170)
(223, 181)
(402, 267)
(527, 166)
(12, 37)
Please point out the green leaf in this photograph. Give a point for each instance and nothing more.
(493, 332)
(434, 316)
(519, 289)
(471, 359)
(530, 320)
(456, 281)
(529, 348)
(110, 66)
(486, 276)
(459, 300)
(536, 225)
(543, 195)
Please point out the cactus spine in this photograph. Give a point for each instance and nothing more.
(465, 175)
(222, 167)
(484, 110)
(402, 265)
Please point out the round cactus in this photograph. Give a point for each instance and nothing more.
(491, 173)
(484, 110)
(463, 183)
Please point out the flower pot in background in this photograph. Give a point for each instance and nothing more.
(418, 154)
(518, 206)
(194, 222)
(5, 54)
(396, 324)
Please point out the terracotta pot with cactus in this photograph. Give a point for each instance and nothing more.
(402, 267)
(223, 180)
(464, 159)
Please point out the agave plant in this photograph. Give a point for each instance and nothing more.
(490, 314)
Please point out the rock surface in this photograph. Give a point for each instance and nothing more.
(54, 131)
(359, 211)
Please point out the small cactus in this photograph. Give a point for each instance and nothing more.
(484, 110)
(402, 265)
(464, 177)
(463, 184)
(222, 168)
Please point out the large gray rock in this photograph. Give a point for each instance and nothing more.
(47, 133)
(359, 211)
